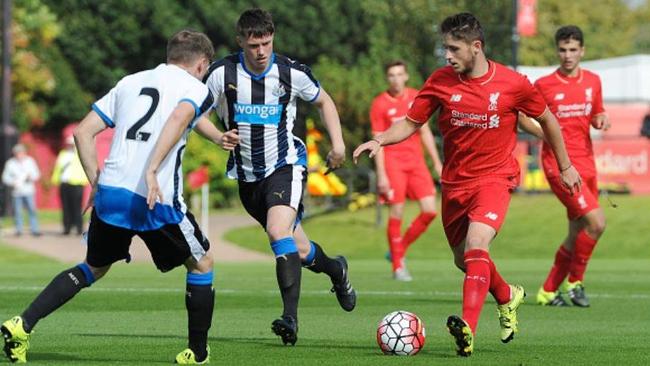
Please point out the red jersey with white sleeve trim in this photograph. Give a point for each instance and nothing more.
(386, 110)
(574, 101)
(478, 122)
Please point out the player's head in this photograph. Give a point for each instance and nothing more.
(569, 42)
(191, 50)
(255, 31)
(463, 40)
(396, 75)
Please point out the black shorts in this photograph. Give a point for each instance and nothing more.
(284, 187)
(170, 246)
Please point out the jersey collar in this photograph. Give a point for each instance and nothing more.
(253, 75)
(569, 80)
(481, 80)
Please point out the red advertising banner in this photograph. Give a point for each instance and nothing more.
(624, 163)
(527, 18)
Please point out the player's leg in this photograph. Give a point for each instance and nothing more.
(199, 302)
(421, 222)
(455, 223)
(314, 258)
(549, 293)
(421, 188)
(65, 286)
(586, 239)
(279, 228)
(396, 249)
(179, 244)
(398, 180)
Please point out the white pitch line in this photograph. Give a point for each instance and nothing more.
(305, 292)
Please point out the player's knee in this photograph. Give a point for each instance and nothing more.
(98, 272)
(396, 211)
(477, 241)
(596, 227)
(277, 232)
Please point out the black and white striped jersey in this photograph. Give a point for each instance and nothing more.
(263, 110)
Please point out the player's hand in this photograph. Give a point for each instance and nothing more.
(229, 140)
(335, 157)
(601, 122)
(571, 180)
(153, 190)
(371, 146)
(383, 185)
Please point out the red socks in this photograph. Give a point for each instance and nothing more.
(418, 226)
(581, 254)
(559, 270)
(475, 285)
(499, 288)
(394, 232)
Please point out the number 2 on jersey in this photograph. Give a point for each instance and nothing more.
(133, 133)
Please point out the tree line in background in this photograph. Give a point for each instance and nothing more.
(67, 53)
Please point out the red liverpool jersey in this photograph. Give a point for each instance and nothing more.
(573, 101)
(385, 111)
(478, 121)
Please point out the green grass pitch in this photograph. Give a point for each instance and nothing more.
(136, 316)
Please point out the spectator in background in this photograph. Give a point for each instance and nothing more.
(69, 175)
(20, 173)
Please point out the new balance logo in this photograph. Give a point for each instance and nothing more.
(456, 97)
(494, 121)
(559, 96)
(588, 94)
(492, 216)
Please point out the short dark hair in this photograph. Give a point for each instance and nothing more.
(188, 45)
(256, 23)
(394, 63)
(464, 26)
(569, 32)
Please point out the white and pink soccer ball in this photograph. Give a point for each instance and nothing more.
(400, 333)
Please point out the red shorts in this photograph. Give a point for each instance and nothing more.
(581, 203)
(487, 204)
(411, 181)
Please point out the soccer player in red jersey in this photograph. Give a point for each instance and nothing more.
(478, 101)
(574, 96)
(401, 169)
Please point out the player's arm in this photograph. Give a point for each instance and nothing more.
(397, 132)
(568, 172)
(227, 140)
(175, 126)
(429, 143)
(84, 138)
(530, 126)
(330, 117)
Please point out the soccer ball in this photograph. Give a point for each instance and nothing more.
(400, 333)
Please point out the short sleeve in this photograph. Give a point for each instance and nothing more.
(106, 107)
(425, 103)
(377, 120)
(529, 100)
(304, 83)
(200, 97)
(598, 98)
(214, 81)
